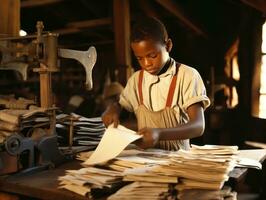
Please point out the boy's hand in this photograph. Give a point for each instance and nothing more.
(150, 137)
(111, 115)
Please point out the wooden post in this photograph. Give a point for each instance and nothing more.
(9, 26)
(9, 18)
(121, 23)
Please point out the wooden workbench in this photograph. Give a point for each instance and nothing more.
(41, 185)
(44, 184)
(255, 154)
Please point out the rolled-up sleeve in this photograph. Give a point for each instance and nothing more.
(194, 90)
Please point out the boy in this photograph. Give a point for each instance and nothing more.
(168, 98)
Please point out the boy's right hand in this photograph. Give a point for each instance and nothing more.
(111, 115)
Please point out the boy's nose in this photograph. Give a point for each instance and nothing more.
(147, 62)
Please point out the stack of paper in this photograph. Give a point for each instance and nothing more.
(87, 131)
(13, 121)
(204, 167)
(84, 180)
(141, 190)
(201, 194)
(185, 169)
(158, 171)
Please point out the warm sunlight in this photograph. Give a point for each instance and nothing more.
(262, 99)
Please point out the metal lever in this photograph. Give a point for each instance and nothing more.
(86, 58)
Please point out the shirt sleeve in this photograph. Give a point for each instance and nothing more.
(193, 89)
(129, 96)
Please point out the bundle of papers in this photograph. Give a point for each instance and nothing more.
(84, 180)
(201, 194)
(19, 117)
(142, 190)
(86, 131)
(155, 173)
(18, 120)
(183, 169)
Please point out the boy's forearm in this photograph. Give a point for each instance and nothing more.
(111, 114)
(184, 131)
(115, 107)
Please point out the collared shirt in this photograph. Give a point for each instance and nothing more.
(189, 90)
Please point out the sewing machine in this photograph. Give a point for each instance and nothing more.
(41, 54)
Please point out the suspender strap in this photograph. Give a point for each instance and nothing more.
(140, 87)
(171, 90)
(172, 87)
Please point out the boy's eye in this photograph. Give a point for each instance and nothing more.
(152, 55)
(139, 58)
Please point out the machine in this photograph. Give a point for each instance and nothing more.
(41, 54)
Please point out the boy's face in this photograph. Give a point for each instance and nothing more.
(151, 55)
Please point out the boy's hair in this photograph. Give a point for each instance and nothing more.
(149, 28)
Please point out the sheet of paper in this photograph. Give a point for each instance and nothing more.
(113, 142)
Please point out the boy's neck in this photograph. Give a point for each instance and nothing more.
(165, 67)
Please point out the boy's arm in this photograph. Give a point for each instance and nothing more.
(111, 114)
(194, 128)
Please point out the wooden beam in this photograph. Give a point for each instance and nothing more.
(94, 8)
(34, 3)
(148, 8)
(78, 26)
(175, 10)
(66, 31)
(10, 17)
(259, 5)
(91, 23)
(121, 23)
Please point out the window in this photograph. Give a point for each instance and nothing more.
(262, 91)
(232, 74)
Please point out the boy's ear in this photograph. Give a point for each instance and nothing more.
(169, 45)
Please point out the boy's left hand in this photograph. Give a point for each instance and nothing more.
(150, 138)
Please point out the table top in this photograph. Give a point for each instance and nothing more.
(255, 154)
(44, 184)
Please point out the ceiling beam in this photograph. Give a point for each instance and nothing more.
(259, 5)
(66, 31)
(147, 8)
(34, 3)
(94, 7)
(91, 23)
(76, 27)
(175, 10)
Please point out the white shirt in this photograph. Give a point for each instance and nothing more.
(189, 90)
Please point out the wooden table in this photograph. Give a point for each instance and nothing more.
(255, 154)
(44, 184)
(41, 185)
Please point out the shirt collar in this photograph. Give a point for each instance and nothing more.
(170, 71)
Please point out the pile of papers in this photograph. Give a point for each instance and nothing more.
(17, 120)
(84, 180)
(161, 174)
(203, 194)
(203, 168)
(142, 190)
(86, 131)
